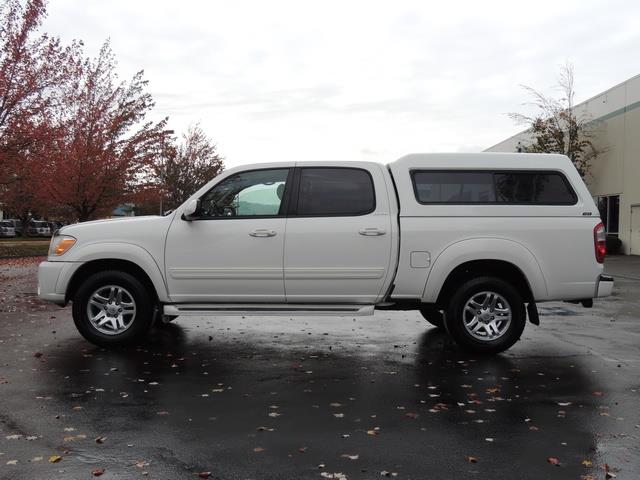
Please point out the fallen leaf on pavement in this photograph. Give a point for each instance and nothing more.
(55, 458)
(553, 461)
(97, 472)
(472, 459)
(349, 456)
(204, 474)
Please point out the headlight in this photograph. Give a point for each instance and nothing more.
(61, 244)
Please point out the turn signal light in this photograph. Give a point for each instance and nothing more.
(61, 244)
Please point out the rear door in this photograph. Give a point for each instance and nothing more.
(338, 235)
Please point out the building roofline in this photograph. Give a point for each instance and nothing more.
(637, 76)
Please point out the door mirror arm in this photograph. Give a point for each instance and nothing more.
(191, 210)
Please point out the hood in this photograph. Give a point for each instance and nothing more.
(117, 229)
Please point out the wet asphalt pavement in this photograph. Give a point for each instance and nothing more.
(290, 398)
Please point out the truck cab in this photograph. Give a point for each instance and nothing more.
(472, 241)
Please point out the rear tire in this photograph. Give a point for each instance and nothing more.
(433, 316)
(113, 308)
(486, 315)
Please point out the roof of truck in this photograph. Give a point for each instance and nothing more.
(483, 160)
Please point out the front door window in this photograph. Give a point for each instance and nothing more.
(256, 193)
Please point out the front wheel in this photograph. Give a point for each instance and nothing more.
(112, 308)
(486, 315)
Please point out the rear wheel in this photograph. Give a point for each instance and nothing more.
(433, 316)
(112, 308)
(486, 315)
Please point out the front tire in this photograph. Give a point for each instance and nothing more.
(486, 315)
(112, 308)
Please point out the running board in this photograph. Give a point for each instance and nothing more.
(221, 309)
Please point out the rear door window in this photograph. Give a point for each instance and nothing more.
(328, 191)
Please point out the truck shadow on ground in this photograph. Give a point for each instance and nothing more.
(190, 399)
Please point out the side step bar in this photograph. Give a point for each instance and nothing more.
(227, 309)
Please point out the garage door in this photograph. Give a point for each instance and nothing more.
(635, 230)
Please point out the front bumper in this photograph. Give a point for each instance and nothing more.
(604, 286)
(53, 279)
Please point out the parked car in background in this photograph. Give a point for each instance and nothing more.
(55, 225)
(17, 225)
(38, 228)
(7, 229)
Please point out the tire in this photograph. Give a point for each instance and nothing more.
(98, 296)
(476, 317)
(433, 316)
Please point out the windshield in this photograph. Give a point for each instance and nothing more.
(5, 223)
(39, 224)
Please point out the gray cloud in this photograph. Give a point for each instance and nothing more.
(360, 79)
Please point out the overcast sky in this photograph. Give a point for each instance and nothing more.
(362, 80)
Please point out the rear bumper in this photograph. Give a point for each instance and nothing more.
(604, 286)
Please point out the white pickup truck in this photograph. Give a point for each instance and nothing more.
(472, 241)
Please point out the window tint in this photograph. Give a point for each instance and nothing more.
(253, 193)
(335, 191)
(542, 188)
(454, 187)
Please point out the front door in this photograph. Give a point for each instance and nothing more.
(339, 235)
(233, 250)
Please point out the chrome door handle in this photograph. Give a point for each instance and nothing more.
(371, 231)
(263, 232)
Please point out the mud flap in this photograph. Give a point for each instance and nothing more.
(532, 313)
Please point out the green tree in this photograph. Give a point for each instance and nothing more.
(556, 127)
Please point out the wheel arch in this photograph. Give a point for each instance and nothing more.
(124, 257)
(501, 258)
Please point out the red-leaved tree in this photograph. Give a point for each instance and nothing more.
(187, 166)
(106, 147)
(32, 65)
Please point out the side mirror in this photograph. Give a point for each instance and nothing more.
(192, 207)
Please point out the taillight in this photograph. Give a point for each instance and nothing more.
(600, 242)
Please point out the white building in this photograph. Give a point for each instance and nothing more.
(615, 176)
